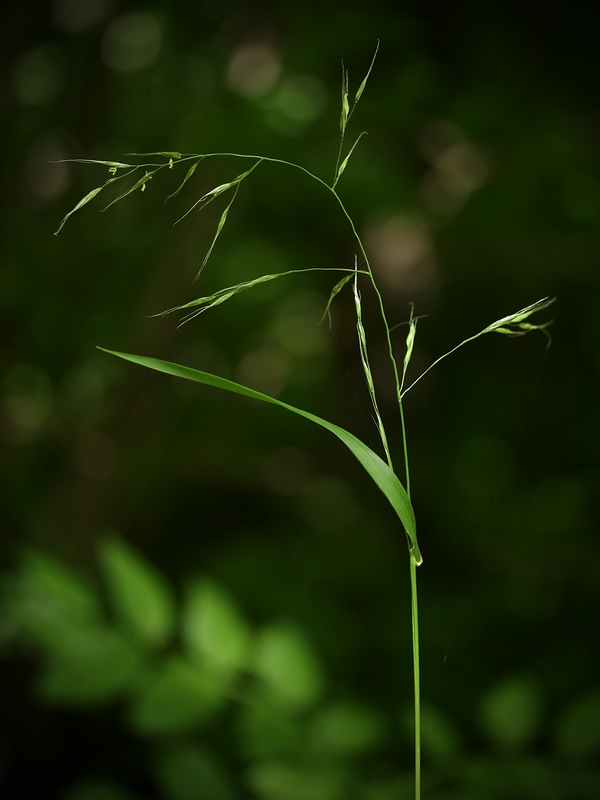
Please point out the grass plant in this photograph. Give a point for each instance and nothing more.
(142, 168)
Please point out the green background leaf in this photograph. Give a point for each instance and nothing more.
(138, 593)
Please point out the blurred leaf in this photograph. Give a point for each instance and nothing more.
(91, 666)
(213, 628)
(190, 772)
(346, 728)
(440, 735)
(97, 790)
(395, 786)
(536, 778)
(175, 699)
(45, 602)
(511, 711)
(276, 780)
(287, 664)
(266, 729)
(578, 729)
(139, 595)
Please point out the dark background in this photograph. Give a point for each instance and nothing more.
(476, 193)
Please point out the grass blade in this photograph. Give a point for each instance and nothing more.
(380, 472)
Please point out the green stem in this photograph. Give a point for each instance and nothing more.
(338, 161)
(441, 358)
(399, 395)
(404, 446)
(416, 673)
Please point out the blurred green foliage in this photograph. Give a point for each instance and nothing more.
(223, 706)
(247, 633)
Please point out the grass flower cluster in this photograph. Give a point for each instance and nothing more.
(136, 174)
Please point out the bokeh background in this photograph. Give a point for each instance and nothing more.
(205, 598)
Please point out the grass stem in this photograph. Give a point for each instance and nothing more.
(414, 607)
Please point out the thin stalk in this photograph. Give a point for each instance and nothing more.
(413, 564)
(404, 446)
(441, 358)
(416, 673)
(337, 163)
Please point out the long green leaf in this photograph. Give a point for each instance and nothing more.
(379, 471)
